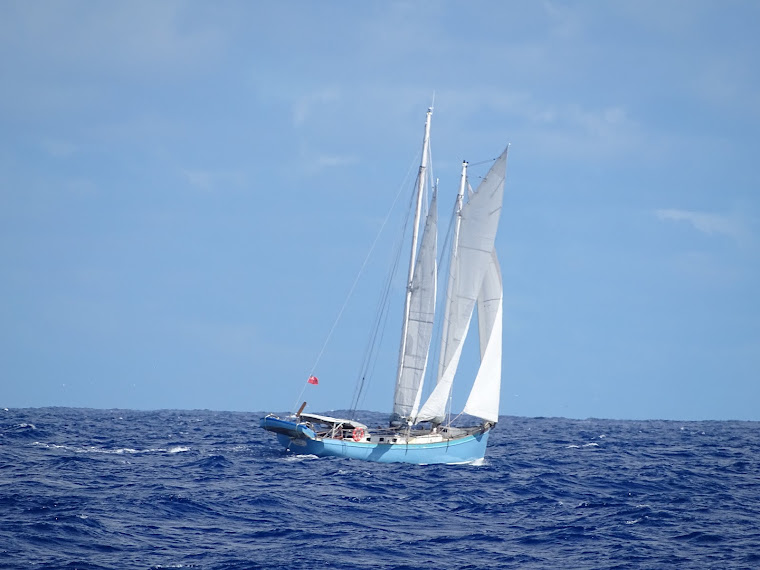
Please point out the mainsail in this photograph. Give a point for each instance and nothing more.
(471, 258)
(419, 329)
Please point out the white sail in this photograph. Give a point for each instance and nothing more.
(419, 329)
(483, 401)
(471, 257)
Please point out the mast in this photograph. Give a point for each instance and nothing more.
(454, 251)
(421, 177)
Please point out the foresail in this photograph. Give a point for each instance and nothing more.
(483, 401)
(419, 330)
(471, 258)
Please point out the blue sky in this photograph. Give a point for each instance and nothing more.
(187, 191)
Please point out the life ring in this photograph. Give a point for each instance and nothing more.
(357, 434)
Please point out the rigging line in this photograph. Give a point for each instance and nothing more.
(369, 359)
(378, 322)
(361, 270)
(483, 161)
(448, 406)
(478, 163)
(358, 276)
(378, 327)
(444, 250)
(371, 363)
(366, 375)
(431, 177)
(455, 419)
(382, 325)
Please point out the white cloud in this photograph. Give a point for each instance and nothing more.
(566, 21)
(705, 222)
(59, 148)
(327, 161)
(199, 178)
(136, 36)
(313, 162)
(555, 129)
(209, 180)
(305, 105)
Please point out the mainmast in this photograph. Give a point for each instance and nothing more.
(421, 178)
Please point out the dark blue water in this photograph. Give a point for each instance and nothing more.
(198, 489)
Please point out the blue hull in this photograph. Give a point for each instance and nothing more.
(301, 440)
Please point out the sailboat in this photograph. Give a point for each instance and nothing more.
(421, 432)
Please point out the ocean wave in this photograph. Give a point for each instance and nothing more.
(117, 451)
(106, 489)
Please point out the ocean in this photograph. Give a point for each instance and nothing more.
(92, 489)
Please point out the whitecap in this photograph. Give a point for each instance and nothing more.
(119, 451)
(300, 457)
(178, 449)
(50, 445)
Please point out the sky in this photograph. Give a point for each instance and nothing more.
(188, 191)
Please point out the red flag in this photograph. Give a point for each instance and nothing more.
(313, 380)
